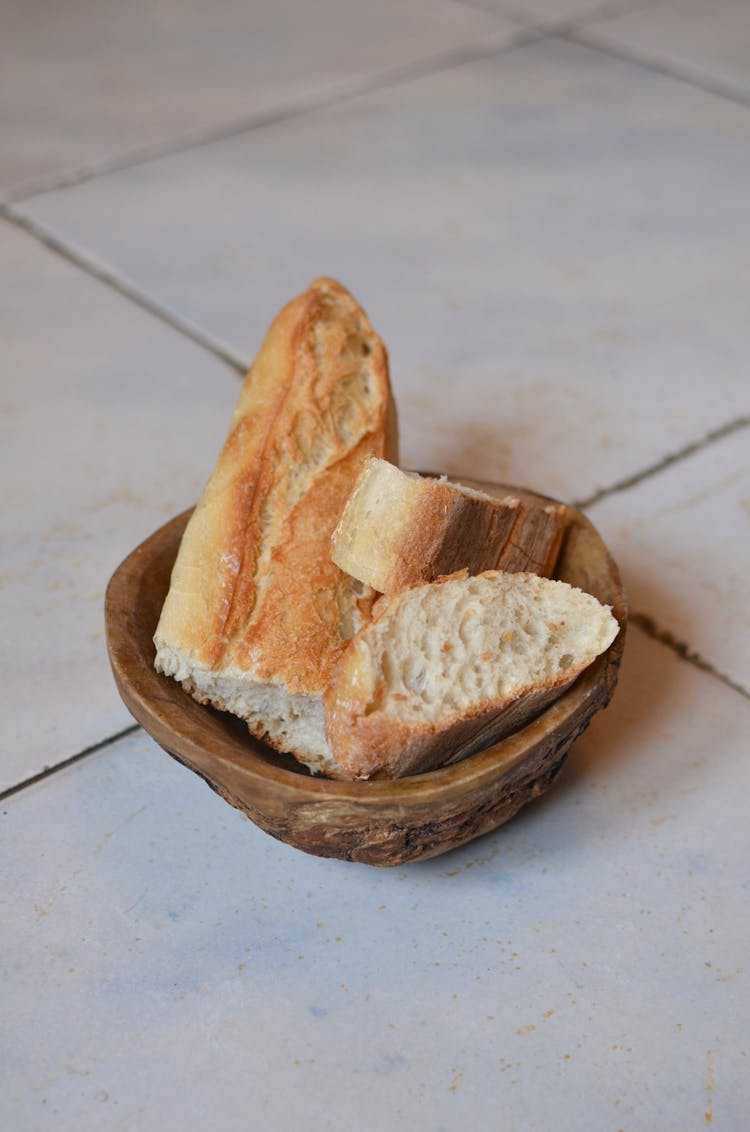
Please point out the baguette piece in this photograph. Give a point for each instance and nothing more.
(256, 613)
(446, 668)
(399, 529)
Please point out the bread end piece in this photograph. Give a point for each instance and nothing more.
(399, 529)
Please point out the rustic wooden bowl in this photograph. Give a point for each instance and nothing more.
(378, 822)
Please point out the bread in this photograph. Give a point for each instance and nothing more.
(445, 668)
(399, 529)
(262, 622)
(257, 613)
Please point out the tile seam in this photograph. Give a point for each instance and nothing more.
(117, 283)
(648, 625)
(221, 131)
(122, 287)
(591, 39)
(668, 461)
(559, 27)
(48, 771)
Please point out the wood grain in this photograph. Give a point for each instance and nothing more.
(380, 822)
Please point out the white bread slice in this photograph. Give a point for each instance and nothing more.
(399, 529)
(445, 668)
(256, 613)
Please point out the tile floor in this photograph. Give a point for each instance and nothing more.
(545, 207)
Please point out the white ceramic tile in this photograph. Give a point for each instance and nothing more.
(168, 965)
(82, 82)
(708, 40)
(552, 243)
(682, 539)
(109, 424)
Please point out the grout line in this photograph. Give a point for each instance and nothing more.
(50, 770)
(667, 462)
(240, 365)
(116, 282)
(507, 12)
(669, 69)
(649, 626)
(343, 92)
(563, 25)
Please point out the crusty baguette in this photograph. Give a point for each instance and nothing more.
(399, 529)
(257, 613)
(445, 668)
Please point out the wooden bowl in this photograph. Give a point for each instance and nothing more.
(379, 822)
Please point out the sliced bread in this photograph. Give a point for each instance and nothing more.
(257, 613)
(399, 529)
(445, 668)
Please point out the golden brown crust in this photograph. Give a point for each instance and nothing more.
(400, 530)
(451, 531)
(294, 628)
(253, 586)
